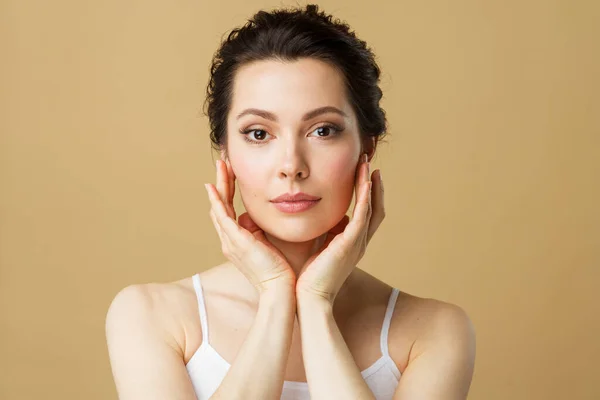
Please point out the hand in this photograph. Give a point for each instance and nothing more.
(245, 244)
(325, 272)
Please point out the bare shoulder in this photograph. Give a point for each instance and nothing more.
(145, 343)
(441, 349)
(429, 313)
(159, 305)
(419, 322)
(433, 324)
(414, 316)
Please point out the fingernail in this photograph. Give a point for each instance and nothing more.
(380, 177)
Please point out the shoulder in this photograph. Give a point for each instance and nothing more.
(443, 322)
(133, 301)
(145, 344)
(150, 298)
(434, 312)
(432, 322)
(442, 351)
(156, 306)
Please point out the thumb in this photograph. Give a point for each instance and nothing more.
(339, 228)
(247, 223)
(333, 232)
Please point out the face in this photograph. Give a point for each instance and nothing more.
(284, 147)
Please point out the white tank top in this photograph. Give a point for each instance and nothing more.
(207, 368)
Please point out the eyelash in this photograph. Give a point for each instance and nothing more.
(336, 130)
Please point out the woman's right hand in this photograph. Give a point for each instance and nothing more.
(244, 243)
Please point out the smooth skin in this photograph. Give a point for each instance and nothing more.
(325, 271)
(293, 325)
(331, 370)
(443, 361)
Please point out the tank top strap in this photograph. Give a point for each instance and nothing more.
(201, 306)
(387, 320)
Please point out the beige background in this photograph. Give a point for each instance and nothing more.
(492, 176)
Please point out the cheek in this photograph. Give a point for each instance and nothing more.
(332, 176)
(339, 175)
(339, 170)
(250, 178)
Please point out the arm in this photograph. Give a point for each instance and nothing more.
(146, 361)
(442, 361)
(259, 367)
(330, 368)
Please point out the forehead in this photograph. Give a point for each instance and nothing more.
(289, 87)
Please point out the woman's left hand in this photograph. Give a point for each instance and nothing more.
(326, 271)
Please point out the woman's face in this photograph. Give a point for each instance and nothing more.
(292, 149)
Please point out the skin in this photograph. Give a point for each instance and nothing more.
(291, 155)
(321, 245)
(431, 342)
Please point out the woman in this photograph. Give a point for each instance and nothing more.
(293, 103)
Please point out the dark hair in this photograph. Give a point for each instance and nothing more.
(287, 35)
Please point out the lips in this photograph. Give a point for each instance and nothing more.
(294, 203)
(291, 207)
(289, 197)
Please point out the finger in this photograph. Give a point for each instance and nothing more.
(230, 187)
(220, 181)
(223, 187)
(363, 176)
(362, 213)
(217, 226)
(339, 228)
(247, 223)
(231, 181)
(229, 226)
(333, 232)
(358, 178)
(225, 241)
(378, 208)
(213, 217)
(225, 181)
(327, 241)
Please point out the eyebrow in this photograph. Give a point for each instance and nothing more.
(309, 115)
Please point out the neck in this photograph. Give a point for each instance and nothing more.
(297, 253)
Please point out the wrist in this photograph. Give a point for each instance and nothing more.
(276, 290)
(306, 299)
(283, 281)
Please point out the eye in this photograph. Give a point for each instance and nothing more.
(326, 131)
(260, 134)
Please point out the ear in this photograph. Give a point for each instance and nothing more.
(369, 145)
(223, 154)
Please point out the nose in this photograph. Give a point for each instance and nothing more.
(293, 164)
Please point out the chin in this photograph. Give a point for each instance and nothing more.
(296, 231)
(294, 236)
(297, 228)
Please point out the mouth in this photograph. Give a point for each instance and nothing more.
(299, 196)
(292, 207)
